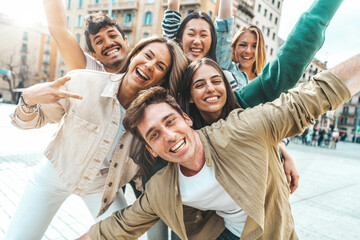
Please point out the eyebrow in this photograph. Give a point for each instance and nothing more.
(97, 36)
(202, 79)
(162, 120)
(152, 53)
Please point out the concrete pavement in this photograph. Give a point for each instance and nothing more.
(325, 206)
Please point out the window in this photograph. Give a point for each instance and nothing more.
(127, 35)
(278, 6)
(270, 18)
(343, 121)
(271, 51)
(210, 14)
(97, 1)
(273, 36)
(265, 12)
(77, 36)
(259, 8)
(113, 15)
(69, 4)
(25, 36)
(23, 59)
(188, 12)
(68, 21)
(24, 48)
(148, 18)
(80, 3)
(146, 34)
(48, 39)
(273, 2)
(46, 59)
(128, 17)
(276, 20)
(62, 73)
(79, 20)
(47, 48)
(149, 1)
(268, 32)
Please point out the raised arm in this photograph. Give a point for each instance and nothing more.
(224, 25)
(293, 57)
(172, 19)
(69, 48)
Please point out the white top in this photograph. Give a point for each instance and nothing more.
(202, 191)
(92, 64)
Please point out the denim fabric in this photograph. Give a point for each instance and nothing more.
(227, 235)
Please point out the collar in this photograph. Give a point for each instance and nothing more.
(112, 87)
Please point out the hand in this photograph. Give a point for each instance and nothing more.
(291, 173)
(86, 236)
(292, 176)
(50, 92)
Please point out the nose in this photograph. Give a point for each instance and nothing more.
(197, 39)
(210, 88)
(169, 135)
(150, 65)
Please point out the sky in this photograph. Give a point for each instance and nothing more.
(342, 36)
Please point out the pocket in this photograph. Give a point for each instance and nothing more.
(80, 140)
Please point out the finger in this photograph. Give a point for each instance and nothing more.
(295, 182)
(66, 94)
(61, 81)
(288, 178)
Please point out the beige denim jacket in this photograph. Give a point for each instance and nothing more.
(86, 131)
(242, 150)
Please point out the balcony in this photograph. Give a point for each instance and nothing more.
(245, 8)
(126, 26)
(122, 5)
(184, 3)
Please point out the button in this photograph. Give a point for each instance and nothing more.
(105, 200)
(86, 178)
(113, 122)
(106, 141)
(110, 184)
(121, 146)
(97, 160)
(115, 165)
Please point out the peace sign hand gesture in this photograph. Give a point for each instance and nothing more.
(50, 92)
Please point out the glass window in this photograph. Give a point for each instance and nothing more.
(273, 36)
(80, 3)
(188, 12)
(114, 15)
(271, 51)
(23, 59)
(46, 59)
(24, 47)
(97, 1)
(47, 48)
(146, 34)
(68, 21)
(278, 6)
(128, 17)
(48, 39)
(69, 4)
(273, 2)
(62, 73)
(25, 36)
(270, 18)
(259, 8)
(276, 20)
(79, 20)
(210, 14)
(148, 18)
(265, 12)
(268, 32)
(78, 36)
(150, 1)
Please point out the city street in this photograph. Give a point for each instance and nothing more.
(325, 206)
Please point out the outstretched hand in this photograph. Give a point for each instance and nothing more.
(292, 176)
(50, 92)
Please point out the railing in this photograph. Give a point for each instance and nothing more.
(123, 5)
(183, 2)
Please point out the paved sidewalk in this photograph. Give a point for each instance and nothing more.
(326, 205)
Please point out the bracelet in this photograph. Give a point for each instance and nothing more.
(29, 109)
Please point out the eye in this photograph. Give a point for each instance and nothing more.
(199, 85)
(204, 35)
(217, 81)
(113, 36)
(254, 46)
(191, 34)
(242, 45)
(154, 135)
(147, 56)
(99, 42)
(170, 122)
(160, 67)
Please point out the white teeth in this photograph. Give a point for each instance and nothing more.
(247, 58)
(112, 51)
(196, 50)
(177, 146)
(143, 74)
(211, 99)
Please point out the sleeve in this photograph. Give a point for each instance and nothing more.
(224, 31)
(290, 114)
(48, 113)
(293, 57)
(92, 64)
(171, 23)
(128, 223)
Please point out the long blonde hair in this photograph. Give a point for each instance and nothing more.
(260, 53)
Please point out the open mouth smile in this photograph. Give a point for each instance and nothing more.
(212, 99)
(142, 74)
(178, 146)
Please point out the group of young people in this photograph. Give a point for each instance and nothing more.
(127, 116)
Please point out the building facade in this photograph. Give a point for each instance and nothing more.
(28, 52)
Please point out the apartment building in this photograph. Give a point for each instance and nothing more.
(28, 52)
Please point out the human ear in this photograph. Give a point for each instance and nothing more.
(187, 119)
(151, 151)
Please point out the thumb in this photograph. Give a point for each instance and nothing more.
(61, 81)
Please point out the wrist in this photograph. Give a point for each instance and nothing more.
(27, 100)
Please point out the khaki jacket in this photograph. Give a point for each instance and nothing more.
(242, 150)
(87, 128)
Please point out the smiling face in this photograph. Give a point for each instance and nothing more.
(148, 67)
(208, 93)
(245, 50)
(196, 39)
(110, 48)
(169, 134)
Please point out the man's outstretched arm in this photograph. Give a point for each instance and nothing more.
(70, 50)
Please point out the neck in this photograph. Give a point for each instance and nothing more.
(126, 94)
(250, 74)
(196, 164)
(210, 117)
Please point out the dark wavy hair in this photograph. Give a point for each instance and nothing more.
(200, 15)
(96, 21)
(185, 93)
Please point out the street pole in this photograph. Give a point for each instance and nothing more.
(110, 8)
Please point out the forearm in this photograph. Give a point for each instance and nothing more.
(171, 23)
(225, 8)
(174, 5)
(349, 73)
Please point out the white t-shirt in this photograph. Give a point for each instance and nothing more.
(92, 64)
(202, 191)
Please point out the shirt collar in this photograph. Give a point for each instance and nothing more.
(112, 87)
